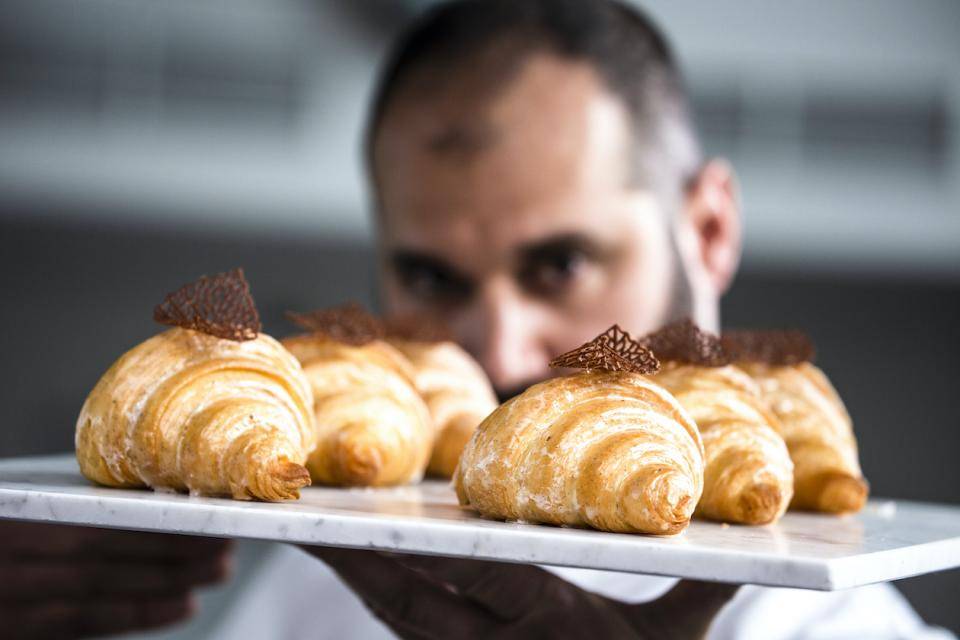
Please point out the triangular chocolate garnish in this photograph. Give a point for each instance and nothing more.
(612, 350)
(776, 347)
(349, 323)
(417, 328)
(683, 341)
(219, 305)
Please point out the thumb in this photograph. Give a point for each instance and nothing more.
(687, 610)
(699, 595)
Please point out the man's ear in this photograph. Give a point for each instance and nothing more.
(713, 211)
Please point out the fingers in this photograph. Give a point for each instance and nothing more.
(414, 606)
(508, 591)
(76, 619)
(70, 582)
(82, 577)
(158, 546)
(30, 539)
(43, 561)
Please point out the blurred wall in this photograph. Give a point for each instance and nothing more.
(839, 116)
(144, 143)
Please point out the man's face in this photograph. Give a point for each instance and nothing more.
(511, 219)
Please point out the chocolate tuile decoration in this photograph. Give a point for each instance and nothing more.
(417, 328)
(683, 341)
(219, 305)
(781, 347)
(612, 350)
(349, 323)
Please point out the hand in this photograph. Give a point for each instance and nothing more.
(426, 597)
(72, 582)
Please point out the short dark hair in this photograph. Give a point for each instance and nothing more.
(619, 41)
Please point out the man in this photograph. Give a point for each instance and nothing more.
(536, 178)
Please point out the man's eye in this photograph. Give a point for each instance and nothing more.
(553, 274)
(432, 284)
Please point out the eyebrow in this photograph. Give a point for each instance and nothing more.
(562, 244)
(461, 141)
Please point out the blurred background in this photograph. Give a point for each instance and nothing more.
(144, 143)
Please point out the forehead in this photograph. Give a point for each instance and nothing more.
(543, 150)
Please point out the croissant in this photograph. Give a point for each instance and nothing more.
(749, 476)
(189, 411)
(373, 427)
(458, 395)
(819, 434)
(611, 450)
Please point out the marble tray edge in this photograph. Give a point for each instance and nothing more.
(803, 573)
(840, 571)
(28, 499)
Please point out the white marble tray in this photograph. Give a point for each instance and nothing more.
(887, 541)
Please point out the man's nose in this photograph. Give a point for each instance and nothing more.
(506, 336)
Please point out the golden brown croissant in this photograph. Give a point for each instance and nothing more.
(611, 450)
(819, 434)
(374, 429)
(189, 411)
(749, 476)
(456, 391)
